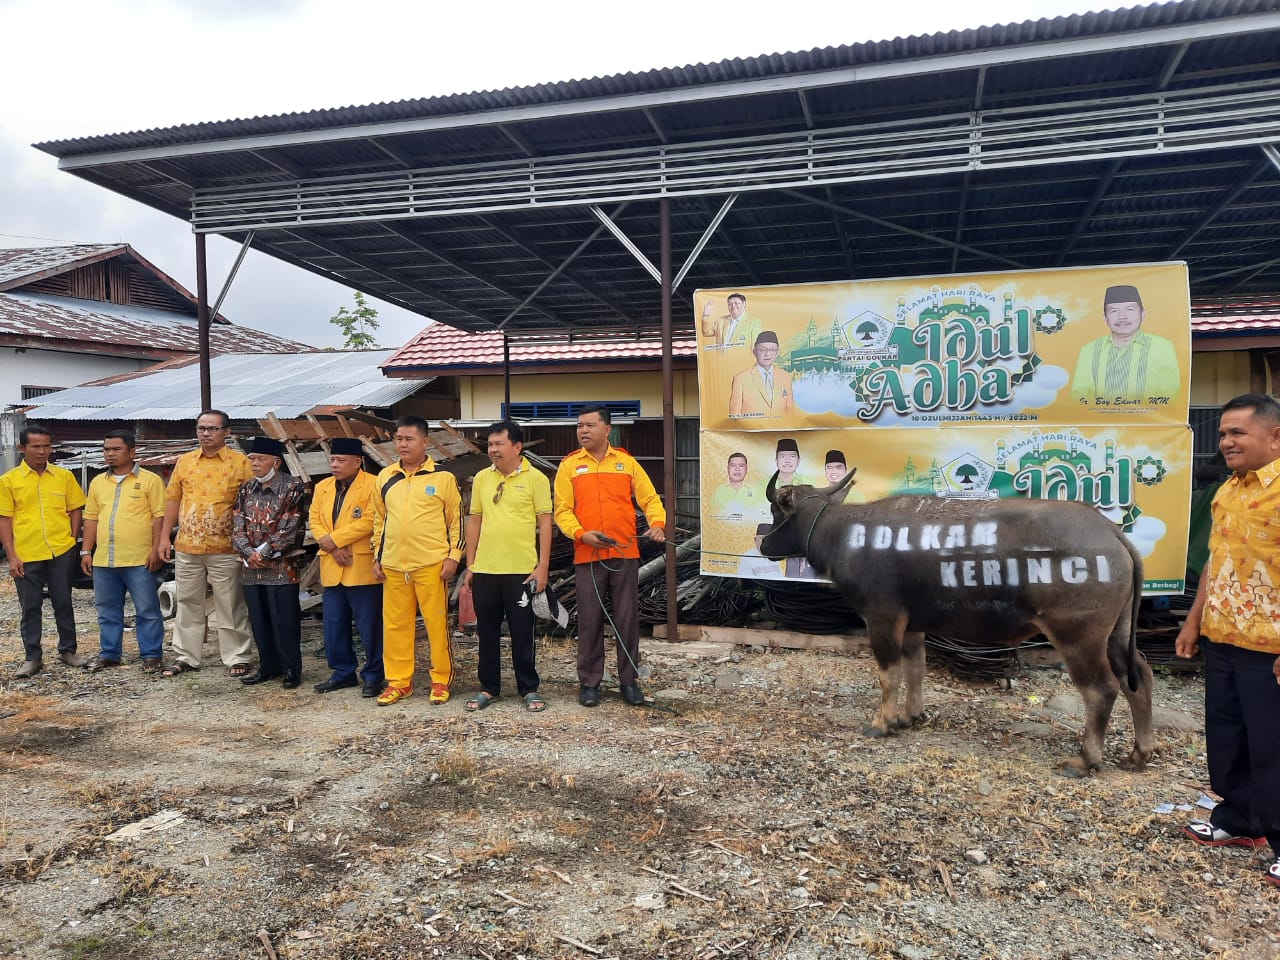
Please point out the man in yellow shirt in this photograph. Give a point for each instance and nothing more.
(1127, 364)
(342, 524)
(1237, 608)
(417, 534)
(508, 556)
(199, 500)
(122, 520)
(40, 511)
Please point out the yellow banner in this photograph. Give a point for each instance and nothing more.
(1086, 346)
(1140, 477)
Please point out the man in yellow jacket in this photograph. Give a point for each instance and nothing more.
(341, 522)
(417, 546)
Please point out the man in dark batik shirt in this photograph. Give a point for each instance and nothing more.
(267, 534)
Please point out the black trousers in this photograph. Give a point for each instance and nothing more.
(56, 574)
(1242, 733)
(617, 581)
(496, 595)
(276, 619)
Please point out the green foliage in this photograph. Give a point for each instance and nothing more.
(357, 325)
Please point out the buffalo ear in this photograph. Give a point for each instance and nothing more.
(835, 489)
(786, 499)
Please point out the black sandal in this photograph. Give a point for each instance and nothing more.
(177, 668)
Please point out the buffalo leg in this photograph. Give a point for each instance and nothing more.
(886, 645)
(913, 674)
(1139, 700)
(1097, 686)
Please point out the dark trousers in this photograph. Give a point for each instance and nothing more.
(342, 605)
(614, 580)
(276, 619)
(56, 574)
(1242, 733)
(496, 595)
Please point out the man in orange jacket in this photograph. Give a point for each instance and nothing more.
(594, 489)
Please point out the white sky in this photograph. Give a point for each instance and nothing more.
(74, 68)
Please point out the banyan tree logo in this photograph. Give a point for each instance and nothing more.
(866, 338)
(968, 477)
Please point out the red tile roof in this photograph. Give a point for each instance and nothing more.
(1268, 322)
(439, 346)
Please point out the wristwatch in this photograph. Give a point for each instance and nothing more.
(86, 553)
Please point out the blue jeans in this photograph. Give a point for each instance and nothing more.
(109, 586)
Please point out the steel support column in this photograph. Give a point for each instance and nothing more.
(668, 415)
(202, 321)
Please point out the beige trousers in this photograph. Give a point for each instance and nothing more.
(222, 573)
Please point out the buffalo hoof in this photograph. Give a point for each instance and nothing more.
(1076, 769)
(874, 732)
(1136, 761)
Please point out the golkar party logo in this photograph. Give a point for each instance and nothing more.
(967, 347)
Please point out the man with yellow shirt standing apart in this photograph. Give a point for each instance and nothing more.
(342, 525)
(593, 492)
(198, 501)
(417, 537)
(40, 509)
(1237, 608)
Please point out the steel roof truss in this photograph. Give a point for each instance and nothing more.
(626, 242)
(1136, 125)
(702, 240)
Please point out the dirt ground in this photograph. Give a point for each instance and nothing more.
(753, 820)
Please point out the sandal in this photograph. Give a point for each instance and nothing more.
(1207, 835)
(1273, 872)
(534, 702)
(152, 665)
(177, 668)
(395, 695)
(238, 670)
(482, 701)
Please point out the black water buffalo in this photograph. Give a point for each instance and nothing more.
(991, 572)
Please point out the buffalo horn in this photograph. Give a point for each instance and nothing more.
(771, 491)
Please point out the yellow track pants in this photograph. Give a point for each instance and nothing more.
(403, 595)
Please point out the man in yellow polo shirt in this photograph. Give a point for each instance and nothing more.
(199, 500)
(122, 520)
(1237, 609)
(508, 535)
(40, 511)
(417, 533)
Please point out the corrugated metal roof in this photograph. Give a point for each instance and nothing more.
(118, 327)
(676, 78)
(1138, 73)
(17, 263)
(438, 347)
(246, 386)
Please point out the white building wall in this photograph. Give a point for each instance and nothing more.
(50, 368)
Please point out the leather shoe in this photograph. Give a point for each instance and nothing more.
(632, 693)
(290, 682)
(330, 685)
(75, 659)
(371, 689)
(101, 663)
(252, 679)
(589, 696)
(28, 669)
